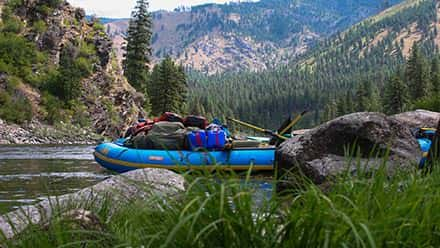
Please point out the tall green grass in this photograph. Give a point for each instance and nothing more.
(366, 210)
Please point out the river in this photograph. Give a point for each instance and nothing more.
(30, 173)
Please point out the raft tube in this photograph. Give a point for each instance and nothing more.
(116, 157)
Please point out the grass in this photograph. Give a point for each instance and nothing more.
(371, 210)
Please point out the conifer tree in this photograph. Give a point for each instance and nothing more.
(417, 74)
(396, 95)
(435, 76)
(138, 47)
(363, 97)
(168, 88)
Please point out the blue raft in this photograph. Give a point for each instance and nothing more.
(116, 157)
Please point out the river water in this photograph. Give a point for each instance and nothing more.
(30, 173)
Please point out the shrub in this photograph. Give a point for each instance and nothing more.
(429, 103)
(15, 109)
(80, 114)
(54, 108)
(17, 54)
(39, 26)
(97, 26)
(12, 25)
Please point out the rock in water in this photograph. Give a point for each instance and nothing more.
(321, 153)
(419, 118)
(116, 191)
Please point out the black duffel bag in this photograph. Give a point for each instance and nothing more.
(195, 121)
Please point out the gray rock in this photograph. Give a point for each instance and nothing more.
(321, 153)
(119, 190)
(80, 14)
(419, 118)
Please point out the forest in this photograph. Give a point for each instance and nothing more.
(340, 67)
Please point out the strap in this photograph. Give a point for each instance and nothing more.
(199, 139)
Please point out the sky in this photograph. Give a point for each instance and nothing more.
(123, 8)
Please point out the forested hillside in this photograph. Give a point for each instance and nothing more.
(252, 36)
(364, 56)
(56, 67)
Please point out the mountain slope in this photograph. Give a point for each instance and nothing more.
(384, 38)
(250, 35)
(56, 66)
(369, 51)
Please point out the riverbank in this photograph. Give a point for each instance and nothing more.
(37, 133)
(364, 210)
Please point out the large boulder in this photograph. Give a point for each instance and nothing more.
(115, 191)
(419, 118)
(321, 153)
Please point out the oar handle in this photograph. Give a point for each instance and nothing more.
(294, 122)
(266, 131)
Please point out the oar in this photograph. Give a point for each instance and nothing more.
(293, 123)
(259, 129)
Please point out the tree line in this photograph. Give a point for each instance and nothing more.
(413, 85)
(337, 76)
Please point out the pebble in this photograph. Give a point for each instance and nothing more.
(14, 134)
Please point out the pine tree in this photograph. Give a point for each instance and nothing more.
(435, 76)
(375, 103)
(168, 88)
(396, 95)
(138, 47)
(417, 74)
(363, 97)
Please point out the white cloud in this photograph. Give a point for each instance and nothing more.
(123, 8)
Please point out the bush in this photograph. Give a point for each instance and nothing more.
(12, 25)
(80, 114)
(39, 26)
(17, 54)
(13, 109)
(429, 103)
(54, 108)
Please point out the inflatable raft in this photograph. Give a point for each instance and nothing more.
(116, 157)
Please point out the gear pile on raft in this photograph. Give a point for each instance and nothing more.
(191, 143)
(194, 143)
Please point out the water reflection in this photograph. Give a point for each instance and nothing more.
(31, 173)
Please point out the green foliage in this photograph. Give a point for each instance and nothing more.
(326, 79)
(97, 26)
(396, 98)
(363, 210)
(431, 103)
(39, 26)
(12, 25)
(80, 114)
(168, 88)
(20, 59)
(75, 64)
(13, 108)
(53, 108)
(17, 55)
(138, 48)
(417, 74)
(14, 4)
(46, 7)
